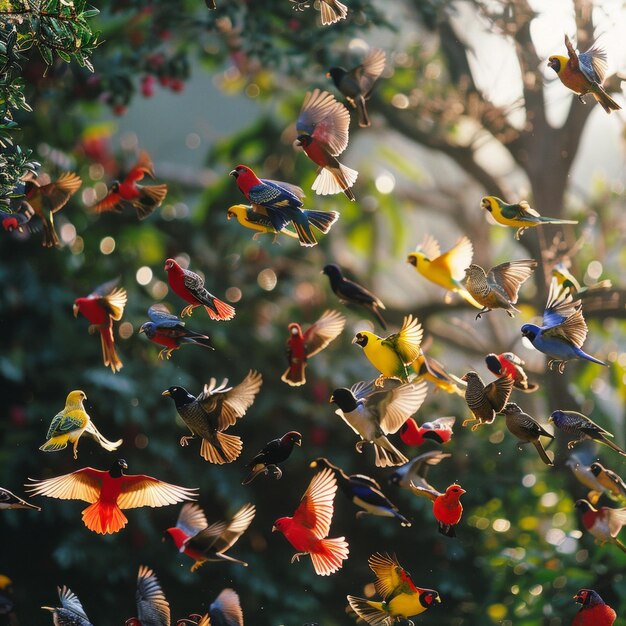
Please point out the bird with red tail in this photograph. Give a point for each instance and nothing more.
(307, 531)
(190, 287)
(322, 129)
(108, 492)
(152, 607)
(594, 611)
(509, 364)
(282, 203)
(275, 452)
(105, 304)
(447, 507)
(438, 430)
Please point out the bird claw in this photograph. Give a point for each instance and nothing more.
(475, 427)
(358, 446)
(93, 328)
(380, 381)
(296, 556)
(276, 472)
(580, 97)
(469, 420)
(519, 233)
(186, 312)
(298, 5)
(184, 441)
(571, 444)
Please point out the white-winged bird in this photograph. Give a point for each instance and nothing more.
(485, 401)
(214, 410)
(275, 452)
(526, 429)
(574, 423)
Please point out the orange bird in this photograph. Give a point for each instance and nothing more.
(584, 73)
(101, 307)
(108, 492)
(143, 199)
(308, 529)
(447, 506)
(301, 346)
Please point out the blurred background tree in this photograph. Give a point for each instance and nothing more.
(465, 107)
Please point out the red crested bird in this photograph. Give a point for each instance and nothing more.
(302, 346)
(307, 531)
(594, 611)
(603, 523)
(275, 452)
(322, 129)
(144, 199)
(447, 507)
(108, 492)
(357, 83)
(152, 607)
(438, 430)
(193, 536)
(509, 364)
(190, 287)
(105, 304)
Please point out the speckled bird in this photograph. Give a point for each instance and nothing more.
(275, 452)
(603, 523)
(499, 288)
(594, 611)
(579, 425)
(485, 401)
(71, 612)
(526, 429)
(153, 609)
(214, 410)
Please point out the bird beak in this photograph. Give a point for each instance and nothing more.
(299, 442)
(462, 491)
(354, 340)
(141, 330)
(52, 610)
(331, 399)
(233, 173)
(75, 309)
(274, 529)
(327, 74)
(166, 393)
(229, 215)
(313, 464)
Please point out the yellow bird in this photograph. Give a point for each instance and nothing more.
(254, 220)
(447, 269)
(68, 425)
(519, 215)
(434, 372)
(393, 355)
(566, 279)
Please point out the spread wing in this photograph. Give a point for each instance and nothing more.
(511, 275)
(152, 607)
(226, 609)
(407, 341)
(429, 248)
(418, 466)
(113, 300)
(108, 203)
(394, 407)
(563, 317)
(593, 64)
(455, 260)
(54, 196)
(83, 484)
(236, 527)
(498, 392)
(66, 422)
(322, 332)
(316, 507)
(140, 490)
(370, 69)
(571, 53)
(431, 494)
(616, 519)
(387, 571)
(191, 519)
(69, 600)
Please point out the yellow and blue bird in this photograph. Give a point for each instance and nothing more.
(257, 221)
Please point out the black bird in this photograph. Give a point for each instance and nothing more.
(275, 452)
(350, 292)
(9, 500)
(363, 491)
(357, 84)
(212, 412)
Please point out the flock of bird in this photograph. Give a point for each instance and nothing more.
(375, 410)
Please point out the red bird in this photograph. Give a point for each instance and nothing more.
(509, 364)
(439, 430)
(101, 307)
(190, 287)
(308, 529)
(301, 346)
(108, 492)
(447, 506)
(604, 523)
(594, 611)
(323, 135)
(143, 199)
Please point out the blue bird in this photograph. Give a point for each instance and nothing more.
(564, 329)
(363, 491)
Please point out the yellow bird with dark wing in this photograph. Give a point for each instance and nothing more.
(248, 217)
(567, 280)
(446, 270)
(434, 372)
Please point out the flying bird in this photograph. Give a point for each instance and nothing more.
(509, 364)
(190, 287)
(307, 531)
(427, 368)
(594, 611)
(46, 200)
(438, 430)
(603, 523)
(350, 292)
(71, 423)
(363, 492)
(144, 199)
(373, 411)
(71, 612)
(322, 128)
(258, 222)
(167, 330)
(282, 203)
(275, 452)
(564, 329)
(9, 500)
(520, 215)
(447, 507)
(585, 477)
(357, 84)
(193, 536)
(485, 401)
(584, 73)
(301, 346)
(393, 355)
(105, 304)
(413, 473)
(446, 270)
(225, 610)
(108, 492)
(401, 597)
(499, 288)
(214, 410)
(568, 281)
(153, 609)
(526, 429)
(613, 484)
(579, 425)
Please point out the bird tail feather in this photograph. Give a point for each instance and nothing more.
(201, 340)
(468, 297)
(260, 468)
(332, 11)
(372, 612)
(109, 354)
(322, 220)
(329, 555)
(220, 310)
(332, 180)
(109, 446)
(294, 374)
(104, 518)
(610, 444)
(386, 454)
(542, 453)
(364, 120)
(378, 315)
(620, 545)
(228, 448)
(55, 444)
(608, 104)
